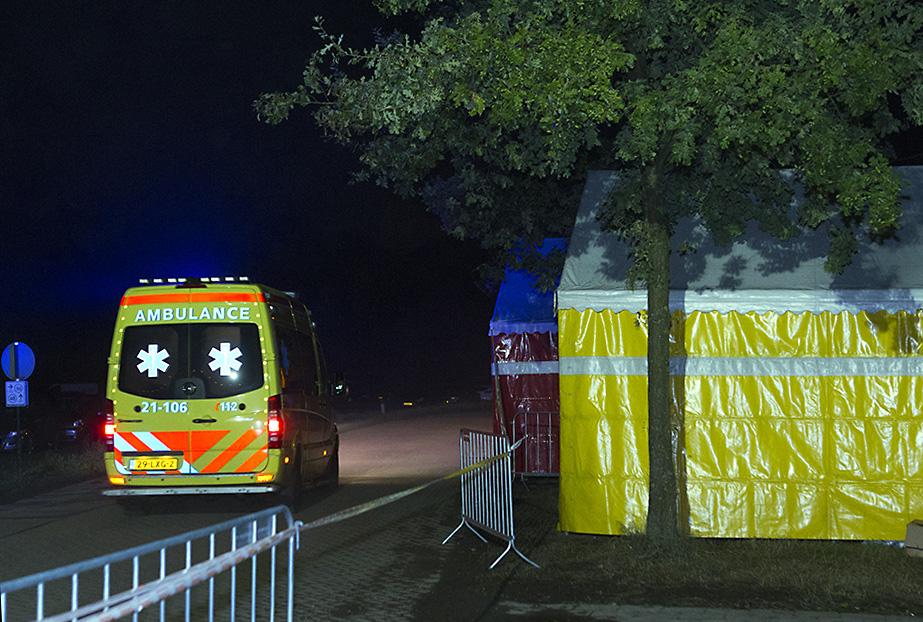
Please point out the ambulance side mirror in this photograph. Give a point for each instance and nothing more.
(338, 385)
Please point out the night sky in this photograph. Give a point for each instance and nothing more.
(130, 149)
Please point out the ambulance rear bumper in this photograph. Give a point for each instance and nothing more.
(190, 490)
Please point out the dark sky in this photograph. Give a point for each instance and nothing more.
(129, 148)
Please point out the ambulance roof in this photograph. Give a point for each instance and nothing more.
(165, 291)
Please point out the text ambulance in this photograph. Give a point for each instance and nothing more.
(216, 387)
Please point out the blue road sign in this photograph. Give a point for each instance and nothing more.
(18, 361)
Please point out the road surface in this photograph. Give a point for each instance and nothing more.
(380, 454)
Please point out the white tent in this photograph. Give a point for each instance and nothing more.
(800, 391)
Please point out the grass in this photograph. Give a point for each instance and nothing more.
(47, 470)
(744, 574)
(802, 575)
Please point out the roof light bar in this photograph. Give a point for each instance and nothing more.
(185, 279)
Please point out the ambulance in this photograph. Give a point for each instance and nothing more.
(217, 386)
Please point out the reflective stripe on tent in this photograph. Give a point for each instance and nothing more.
(519, 368)
(742, 366)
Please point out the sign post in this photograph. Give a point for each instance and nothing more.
(18, 362)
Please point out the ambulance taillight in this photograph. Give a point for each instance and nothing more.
(109, 426)
(274, 422)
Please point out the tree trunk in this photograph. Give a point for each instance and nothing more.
(663, 500)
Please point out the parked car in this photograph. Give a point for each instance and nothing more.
(12, 440)
(80, 431)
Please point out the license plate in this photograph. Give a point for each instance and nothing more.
(165, 463)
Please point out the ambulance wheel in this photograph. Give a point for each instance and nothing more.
(332, 476)
(293, 494)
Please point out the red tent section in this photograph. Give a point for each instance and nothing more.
(524, 338)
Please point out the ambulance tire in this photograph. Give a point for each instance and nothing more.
(332, 475)
(293, 494)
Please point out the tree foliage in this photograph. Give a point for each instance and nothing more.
(496, 108)
(496, 98)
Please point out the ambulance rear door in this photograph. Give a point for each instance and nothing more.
(193, 400)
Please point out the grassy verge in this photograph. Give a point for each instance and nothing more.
(47, 470)
(796, 575)
(743, 574)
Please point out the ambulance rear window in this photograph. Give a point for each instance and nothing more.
(190, 361)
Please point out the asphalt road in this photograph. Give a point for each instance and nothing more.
(381, 453)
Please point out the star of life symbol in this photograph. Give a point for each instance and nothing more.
(225, 359)
(153, 360)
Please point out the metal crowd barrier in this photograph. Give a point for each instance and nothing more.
(539, 433)
(131, 581)
(487, 492)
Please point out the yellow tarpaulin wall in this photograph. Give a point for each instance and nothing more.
(797, 425)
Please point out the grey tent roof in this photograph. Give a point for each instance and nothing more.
(755, 273)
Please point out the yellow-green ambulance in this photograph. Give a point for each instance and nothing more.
(216, 386)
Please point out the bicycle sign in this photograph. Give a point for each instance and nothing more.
(17, 393)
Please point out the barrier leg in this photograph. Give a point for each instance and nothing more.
(473, 530)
